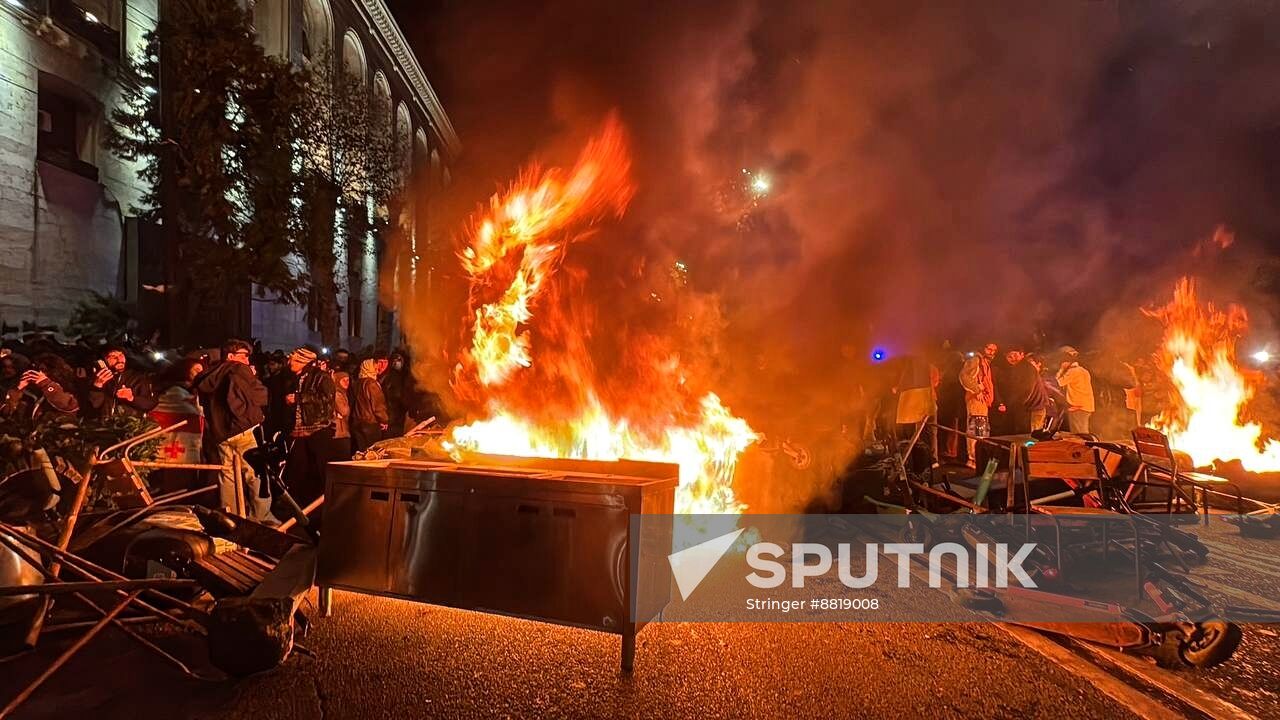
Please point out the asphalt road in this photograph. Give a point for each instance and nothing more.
(383, 658)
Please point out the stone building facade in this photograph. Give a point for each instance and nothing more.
(65, 200)
(364, 38)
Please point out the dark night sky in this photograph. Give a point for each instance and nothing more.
(942, 168)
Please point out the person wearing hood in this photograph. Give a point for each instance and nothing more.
(233, 400)
(369, 418)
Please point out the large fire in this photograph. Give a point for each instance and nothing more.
(550, 401)
(1206, 417)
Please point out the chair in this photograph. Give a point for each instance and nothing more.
(1158, 467)
(1076, 465)
(1073, 463)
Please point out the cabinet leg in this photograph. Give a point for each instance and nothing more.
(326, 602)
(628, 651)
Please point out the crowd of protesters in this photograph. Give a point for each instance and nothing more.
(983, 394)
(323, 406)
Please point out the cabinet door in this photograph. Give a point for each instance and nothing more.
(543, 559)
(357, 533)
(427, 531)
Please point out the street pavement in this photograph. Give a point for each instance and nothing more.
(385, 658)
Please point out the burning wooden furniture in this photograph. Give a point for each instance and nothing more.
(550, 540)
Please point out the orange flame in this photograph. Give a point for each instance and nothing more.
(1206, 416)
(514, 249)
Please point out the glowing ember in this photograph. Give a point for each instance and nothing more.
(561, 408)
(1206, 417)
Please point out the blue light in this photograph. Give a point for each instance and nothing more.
(878, 355)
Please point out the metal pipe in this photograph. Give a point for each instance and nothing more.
(118, 622)
(949, 498)
(157, 504)
(129, 442)
(67, 654)
(75, 561)
(82, 624)
(62, 588)
(236, 478)
(284, 526)
(175, 466)
(64, 539)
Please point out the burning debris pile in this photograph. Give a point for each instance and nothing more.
(1207, 417)
(527, 372)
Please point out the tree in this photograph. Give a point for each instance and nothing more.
(215, 147)
(349, 160)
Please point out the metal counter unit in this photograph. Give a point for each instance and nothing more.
(535, 538)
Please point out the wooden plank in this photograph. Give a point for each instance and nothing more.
(1066, 471)
(1059, 451)
(246, 564)
(218, 580)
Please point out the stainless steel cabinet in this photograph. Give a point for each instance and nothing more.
(542, 539)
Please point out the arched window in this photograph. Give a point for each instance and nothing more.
(382, 94)
(437, 176)
(421, 152)
(353, 56)
(317, 28)
(404, 137)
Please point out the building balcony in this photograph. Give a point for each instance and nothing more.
(83, 24)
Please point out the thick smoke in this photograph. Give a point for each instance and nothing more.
(1029, 172)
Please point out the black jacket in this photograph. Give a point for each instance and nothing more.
(104, 403)
(33, 401)
(314, 401)
(233, 399)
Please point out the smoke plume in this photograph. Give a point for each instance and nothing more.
(1028, 172)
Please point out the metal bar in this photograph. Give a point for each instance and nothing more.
(62, 588)
(82, 624)
(64, 539)
(948, 497)
(75, 561)
(157, 504)
(236, 477)
(117, 622)
(148, 436)
(175, 466)
(130, 442)
(284, 526)
(181, 495)
(67, 654)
